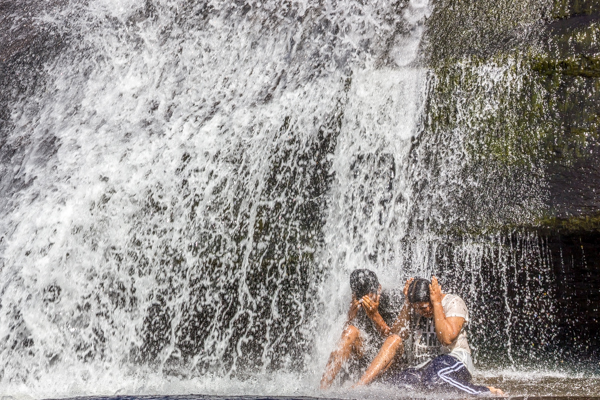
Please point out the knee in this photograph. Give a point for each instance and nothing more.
(351, 333)
(393, 342)
(350, 336)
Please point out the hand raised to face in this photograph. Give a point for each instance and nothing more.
(370, 303)
(435, 291)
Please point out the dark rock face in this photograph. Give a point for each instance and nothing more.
(515, 101)
(574, 189)
(530, 132)
(573, 8)
(576, 262)
(26, 46)
(533, 298)
(571, 73)
(481, 29)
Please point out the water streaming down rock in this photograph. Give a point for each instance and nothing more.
(165, 184)
(187, 185)
(456, 196)
(520, 161)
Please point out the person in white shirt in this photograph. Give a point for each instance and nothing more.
(434, 341)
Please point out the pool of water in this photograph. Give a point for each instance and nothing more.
(545, 386)
(379, 395)
(517, 385)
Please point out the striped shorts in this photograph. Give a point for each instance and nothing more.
(443, 374)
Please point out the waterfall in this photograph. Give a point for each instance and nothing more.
(186, 186)
(174, 183)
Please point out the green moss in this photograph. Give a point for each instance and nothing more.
(515, 118)
(560, 9)
(520, 118)
(514, 113)
(546, 224)
(505, 115)
(588, 223)
(570, 8)
(580, 65)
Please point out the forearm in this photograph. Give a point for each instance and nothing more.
(443, 329)
(382, 327)
(354, 306)
(400, 325)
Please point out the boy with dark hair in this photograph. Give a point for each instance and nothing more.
(432, 324)
(370, 321)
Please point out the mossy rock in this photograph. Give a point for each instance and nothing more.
(586, 66)
(524, 111)
(571, 8)
(583, 223)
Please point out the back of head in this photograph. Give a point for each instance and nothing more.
(418, 291)
(363, 282)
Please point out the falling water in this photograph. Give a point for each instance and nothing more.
(164, 204)
(187, 185)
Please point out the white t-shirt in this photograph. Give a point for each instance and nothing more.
(425, 344)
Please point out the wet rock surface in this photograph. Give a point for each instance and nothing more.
(576, 261)
(530, 88)
(26, 43)
(575, 189)
(515, 101)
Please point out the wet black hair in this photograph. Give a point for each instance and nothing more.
(363, 282)
(418, 291)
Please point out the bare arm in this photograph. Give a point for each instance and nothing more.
(392, 346)
(354, 306)
(371, 307)
(400, 326)
(447, 329)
